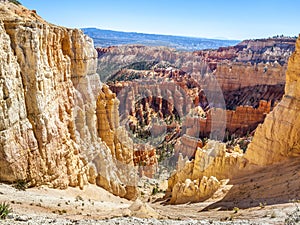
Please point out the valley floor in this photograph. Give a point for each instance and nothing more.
(94, 205)
(258, 196)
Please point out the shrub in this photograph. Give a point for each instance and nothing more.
(20, 185)
(262, 205)
(78, 198)
(154, 190)
(4, 210)
(236, 209)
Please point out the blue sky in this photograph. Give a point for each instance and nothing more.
(231, 19)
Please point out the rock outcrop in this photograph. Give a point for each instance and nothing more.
(109, 129)
(48, 94)
(117, 139)
(239, 121)
(252, 96)
(198, 179)
(47, 101)
(235, 67)
(142, 210)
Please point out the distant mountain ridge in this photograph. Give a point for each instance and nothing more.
(106, 38)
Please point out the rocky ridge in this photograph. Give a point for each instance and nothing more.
(198, 179)
(235, 67)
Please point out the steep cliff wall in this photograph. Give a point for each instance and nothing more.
(239, 121)
(48, 94)
(236, 66)
(236, 75)
(252, 95)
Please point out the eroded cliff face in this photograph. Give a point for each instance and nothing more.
(264, 59)
(236, 67)
(278, 137)
(49, 91)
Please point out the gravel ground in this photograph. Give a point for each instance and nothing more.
(38, 206)
(15, 219)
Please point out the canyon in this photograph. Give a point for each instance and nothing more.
(230, 90)
(182, 95)
(214, 127)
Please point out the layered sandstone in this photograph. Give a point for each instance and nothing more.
(253, 50)
(236, 75)
(242, 120)
(49, 114)
(116, 137)
(49, 91)
(264, 59)
(252, 96)
(194, 191)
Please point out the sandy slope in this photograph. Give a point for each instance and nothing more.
(265, 194)
(92, 202)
